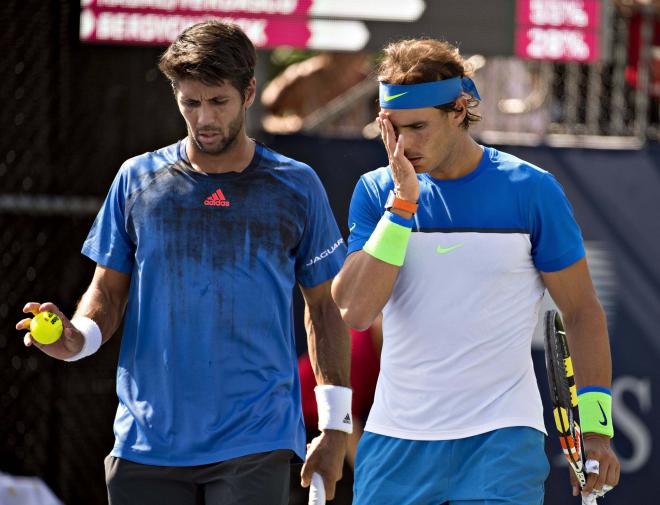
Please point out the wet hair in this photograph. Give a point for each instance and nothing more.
(414, 61)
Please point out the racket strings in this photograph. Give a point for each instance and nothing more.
(564, 393)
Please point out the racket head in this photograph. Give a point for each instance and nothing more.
(563, 393)
(556, 354)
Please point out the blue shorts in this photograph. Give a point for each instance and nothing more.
(504, 467)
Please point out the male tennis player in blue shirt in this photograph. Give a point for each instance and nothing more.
(198, 246)
(454, 242)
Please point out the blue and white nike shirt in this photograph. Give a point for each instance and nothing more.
(457, 330)
(207, 367)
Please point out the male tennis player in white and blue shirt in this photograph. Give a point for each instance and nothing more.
(455, 242)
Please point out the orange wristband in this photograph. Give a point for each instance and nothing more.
(394, 202)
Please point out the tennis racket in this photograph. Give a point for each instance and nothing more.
(563, 394)
(316, 490)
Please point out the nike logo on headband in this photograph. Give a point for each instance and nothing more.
(392, 97)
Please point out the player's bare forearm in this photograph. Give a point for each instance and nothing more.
(105, 300)
(329, 353)
(585, 323)
(365, 283)
(362, 288)
(586, 331)
(327, 337)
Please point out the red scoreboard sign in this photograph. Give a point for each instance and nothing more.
(567, 30)
(314, 24)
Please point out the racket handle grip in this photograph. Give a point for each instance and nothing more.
(316, 490)
(590, 499)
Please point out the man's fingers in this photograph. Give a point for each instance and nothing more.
(329, 488)
(613, 475)
(31, 307)
(398, 160)
(399, 148)
(28, 341)
(591, 481)
(575, 486)
(51, 307)
(305, 475)
(610, 470)
(602, 475)
(390, 138)
(35, 308)
(389, 143)
(23, 324)
(381, 127)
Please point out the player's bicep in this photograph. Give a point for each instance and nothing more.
(571, 288)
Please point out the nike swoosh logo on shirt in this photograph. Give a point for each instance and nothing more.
(352, 227)
(445, 250)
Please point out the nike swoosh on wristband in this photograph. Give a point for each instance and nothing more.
(392, 97)
(445, 250)
(604, 421)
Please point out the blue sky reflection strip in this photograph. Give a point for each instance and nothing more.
(426, 94)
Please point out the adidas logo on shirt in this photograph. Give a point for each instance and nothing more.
(217, 199)
(347, 419)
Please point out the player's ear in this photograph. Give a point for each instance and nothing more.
(460, 111)
(250, 93)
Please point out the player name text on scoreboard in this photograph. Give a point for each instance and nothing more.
(314, 24)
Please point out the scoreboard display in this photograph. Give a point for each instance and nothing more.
(569, 30)
(566, 30)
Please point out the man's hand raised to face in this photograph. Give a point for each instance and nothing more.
(406, 185)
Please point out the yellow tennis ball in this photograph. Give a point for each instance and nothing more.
(46, 328)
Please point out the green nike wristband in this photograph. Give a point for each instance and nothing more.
(388, 242)
(596, 412)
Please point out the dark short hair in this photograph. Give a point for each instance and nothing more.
(211, 52)
(413, 61)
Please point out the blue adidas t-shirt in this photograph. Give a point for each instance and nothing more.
(502, 194)
(207, 367)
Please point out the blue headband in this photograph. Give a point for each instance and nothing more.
(426, 94)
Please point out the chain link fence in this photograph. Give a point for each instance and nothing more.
(71, 114)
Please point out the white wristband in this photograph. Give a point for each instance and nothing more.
(92, 334)
(334, 404)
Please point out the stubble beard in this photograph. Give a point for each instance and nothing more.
(225, 143)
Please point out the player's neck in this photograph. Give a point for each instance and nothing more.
(463, 159)
(235, 159)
